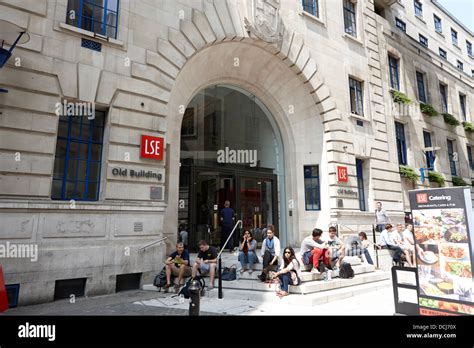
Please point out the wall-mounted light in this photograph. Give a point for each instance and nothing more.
(10, 34)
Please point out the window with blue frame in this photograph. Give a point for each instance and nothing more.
(437, 23)
(360, 184)
(420, 82)
(98, 16)
(443, 91)
(462, 103)
(350, 18)
(429, 155)
(418, 8)
(394, 73)
(469, 157)
(401, 143)
(356, 95)
(469, 48)
(460, 65)
(454, 36)
(423, 40)
(311, 6)
(452, 163)
(78, 158)
(400, 24)
(312, 188)
(443, 54)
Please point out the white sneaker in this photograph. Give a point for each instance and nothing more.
(315, 271)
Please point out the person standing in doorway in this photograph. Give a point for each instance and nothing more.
(381, 218)
(227, 223)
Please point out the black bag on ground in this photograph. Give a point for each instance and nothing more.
(229, 273)
(346, 271)
(160, 279)
(265, 275)
(185, 289)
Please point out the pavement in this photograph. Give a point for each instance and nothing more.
(139, 302)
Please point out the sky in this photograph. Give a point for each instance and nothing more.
(463, 10)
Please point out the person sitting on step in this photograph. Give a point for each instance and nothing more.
(178, 265)
(270, 251)
(312, 249)
(206, 262)
(247, 255)
(337, 248)
(290, 273)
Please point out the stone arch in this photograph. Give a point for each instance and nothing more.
(219, 29)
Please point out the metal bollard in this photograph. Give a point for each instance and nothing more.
(194, 297)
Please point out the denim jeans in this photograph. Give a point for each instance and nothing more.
(368, 257)
(249, 259)
(285, 279)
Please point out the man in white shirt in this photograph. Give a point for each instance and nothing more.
(312, 248)
(386, 242)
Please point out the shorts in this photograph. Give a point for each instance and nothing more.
(204, 268)
(335, 255)
(175, 271)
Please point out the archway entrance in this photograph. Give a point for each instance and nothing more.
(231, 150)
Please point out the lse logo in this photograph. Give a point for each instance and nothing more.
(152, 147)
(342, 174)
(421, 198)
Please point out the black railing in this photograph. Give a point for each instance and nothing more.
(220, 259)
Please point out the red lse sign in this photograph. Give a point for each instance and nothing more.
(342, 174)
(152, 147)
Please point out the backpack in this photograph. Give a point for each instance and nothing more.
(185, 289)
(160, 279)
(346, 271)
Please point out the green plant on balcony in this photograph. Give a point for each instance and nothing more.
(436, 177)
(429, 110)
(399, 97)
(457, 181)
(408, 173)
(450, 119)
(468, 127)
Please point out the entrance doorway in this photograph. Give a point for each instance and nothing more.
(230, 151)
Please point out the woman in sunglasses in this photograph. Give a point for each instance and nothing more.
(290, 274)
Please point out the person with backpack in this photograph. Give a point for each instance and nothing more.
(312, 248)
(337, 249)
(178, 265)
(290, 273)
(206, 262)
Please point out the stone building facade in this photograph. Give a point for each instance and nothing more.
(304, 61)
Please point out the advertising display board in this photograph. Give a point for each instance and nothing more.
(444, 237)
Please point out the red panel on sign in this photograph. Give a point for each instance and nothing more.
(3, 293)
(342, 174)
(152, 147)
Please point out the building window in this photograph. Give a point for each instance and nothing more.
(452, 163)
(454, 37)
(401, 24)
(428, 154)
(394, 73)
(312, 188)
(418, 8)
(350, 18)
(469, 157)
(460, 65)
(462, 103)
(401, 143)
(443, 91)
(78, 158)
(356, 95)
(443, 54)
(311, 6)
(360, 184)
(437, 24)
(469, 48)
(423, 40)
(420, 81)
(100, 17)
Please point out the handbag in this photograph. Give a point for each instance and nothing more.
(229, 273)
